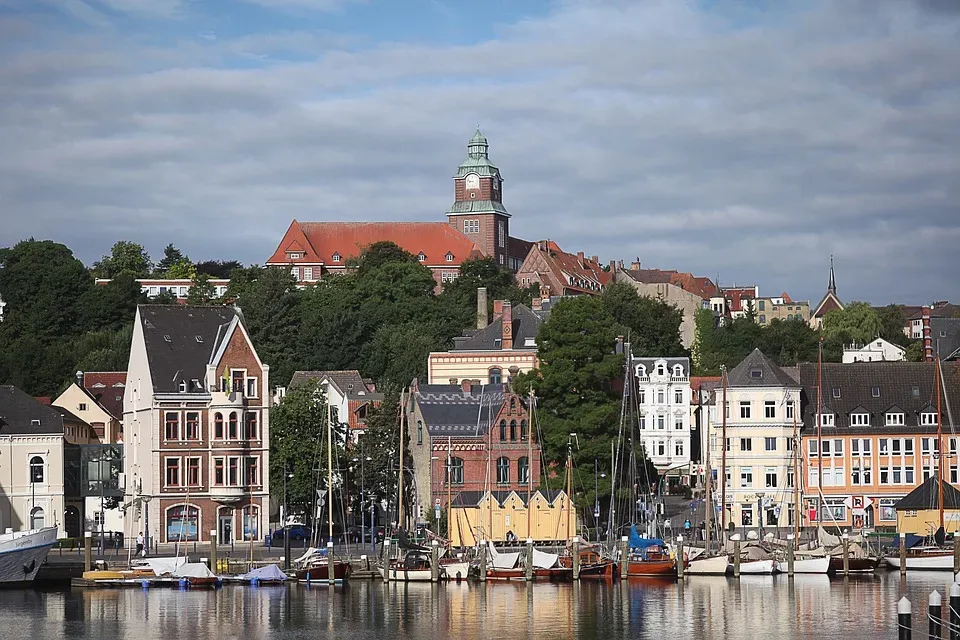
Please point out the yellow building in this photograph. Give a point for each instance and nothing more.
(492, 515)
(918, 512)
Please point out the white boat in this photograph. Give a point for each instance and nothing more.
(407, 575)
(804, 565)
(22, 553)
(715, 566)
(757, 567)
(925, 559)
(454, 570)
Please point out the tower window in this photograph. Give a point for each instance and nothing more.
(471, 226)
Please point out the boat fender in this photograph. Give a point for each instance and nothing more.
(144, 584)
(255, 582)
(183, 582)
(218, 583)
(28, 568)
(308, 577)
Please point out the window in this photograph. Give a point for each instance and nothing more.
(502, 235)
(727, 444)
(661, 422)
(523, 430)
(456, 470)
(678, 423)
(884, 475)
(251, 430)
(218, 426)
(745, 409)
(769, 444)
(761, 303)
(908, 446)
(746, 444)
(859, 419)
(660, 397)
(294, 255)
(172, 474)
(503, 430)
(496, 375)
(471, 226)
(836, 392)
(860, 477)
(449, 257)
(929, 444)
(218, 471)
(789, 442)
(36, 470)
(171, 429)
(252, 471)
(513, 431)
(308, 273)
(678, 396)
(422, 257)
(894, 419)
(826, 420)
(36, 518)
(837, 448)
(928, 419)
(746, 477)
(642, 396)
(232, 432)
(746, 515)
(770, 478)
(183, 523)
(193, 472)
(813, 478)
(876, 392)
(678, 448)
(337, 257)
(236, 381)
(83, 406)
(295, 272)
(523, 469)
(193, 425)
(251, 387)
(887, 510)
(503, 471)
(661, 448)
(908, 475)
(233, 471)
(812, 448)
(769, 409)
(763, 319)
(756, 373)
(448, 276)
(836, 508)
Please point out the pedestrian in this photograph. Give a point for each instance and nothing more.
(703, 529)
(693, 506)
(686, 526)
(140, 551)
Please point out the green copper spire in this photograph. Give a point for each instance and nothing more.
(477, 147)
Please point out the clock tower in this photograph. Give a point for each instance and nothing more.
(478, 210)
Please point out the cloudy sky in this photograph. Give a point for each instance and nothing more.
(745, 139)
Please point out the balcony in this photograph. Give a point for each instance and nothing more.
(228, 399)
(227, 494)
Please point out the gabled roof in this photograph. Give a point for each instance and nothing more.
(348, 239)
(106, 388)
(588, 275)
(448, 410)
(757, 370)
(945, 334)
(22, 415)
(349, 382)
(474, 498)
(904, 387)
(649, 364)
(702, 287)
(830, 302)
(181, 341)
(525, 325)
(927, 496)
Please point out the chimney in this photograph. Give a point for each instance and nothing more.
(80, 379)
(927, 340)
(580, 256)
(497, 309)
(613, 266)
(536, 304)
(635, 265)
(619, 347)
(595, 259)
(482, 307)
(507, 322)
(466, 385)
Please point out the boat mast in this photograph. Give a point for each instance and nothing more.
(329, 467)
(569, 488)
(403, 416)
(796, 483)
(449, 491)
(529, 461)
(708, 490)
(489, 471)
(937, 374)
(819, 433)
(723, 455)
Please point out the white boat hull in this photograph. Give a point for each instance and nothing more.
(756, 567)
(939, 562)
(716, 566)
(402, 575)
(805, 565)
(22, 553)
(451, 570)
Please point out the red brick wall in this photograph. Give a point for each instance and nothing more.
(208, 516)
(239, 355)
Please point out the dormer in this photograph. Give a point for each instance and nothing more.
(859, 417)
(678, 370)
(928, 416)
(449, 256)
(422, 257)
(336, 257)
(893, 417)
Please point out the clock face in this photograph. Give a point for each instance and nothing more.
(472, 181)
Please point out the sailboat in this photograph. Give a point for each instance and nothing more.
(315, 564)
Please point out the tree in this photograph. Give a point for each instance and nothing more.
(460, 296)
(112, 305)
(379, 254)
(171, 256)
(222, 269)
(398, 353)
(893, 320)
(789, 342)
(182, 269)
(201, 291)
(858, 321)
(380, 444)
(652, 325)
(125, 256)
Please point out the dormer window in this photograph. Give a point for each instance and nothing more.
(836, 392)
(167, 339)
(294, 255)
(199, 339)
(183, 386)
(422, 257)
(827, 420)
(336, 257)
(449, 257)
(876, 392)
(859, 419)
(928, 418)
(894, 419)
(756, 373)
(678, 371)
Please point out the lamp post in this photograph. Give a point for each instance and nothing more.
(286, 515)
(760, 514)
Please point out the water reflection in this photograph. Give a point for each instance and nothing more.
(701, 607)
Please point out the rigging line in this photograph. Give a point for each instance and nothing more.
(614, 473)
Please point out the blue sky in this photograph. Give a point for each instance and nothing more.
(749, 139)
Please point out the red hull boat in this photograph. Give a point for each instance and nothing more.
(341, 571)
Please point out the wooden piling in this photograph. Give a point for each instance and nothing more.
(736, 558)
(956, 553)
(904, 622)
(680, 561)
(903, 554)
(846, 556)
(624, 557)
(331, 574)
(576, 558)
(434, 561)
(386, 559)
(87, 550)
(790, 555)
(213, 551)
(528, 569)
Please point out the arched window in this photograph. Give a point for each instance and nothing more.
(513, 430)
(36, 471)
(496, 375)
(523, 430)
(183, 523)
(513, 403)
(503, 430)
(232, 433)
(218, 426)
(36, 518)
(419, 432)
(251, 522)
(523, 469)
(503, 470)
(456, 470)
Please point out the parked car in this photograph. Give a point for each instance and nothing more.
(353, 534)
(295, 531)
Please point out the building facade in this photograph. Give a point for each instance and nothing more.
(351, 396)
(781, 307)
(878, 350)
(663, 400)
(877, 438)
(560, 273)
(196, 425)
(178, 288)
(762, 405)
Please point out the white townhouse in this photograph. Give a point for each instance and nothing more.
(663, 401)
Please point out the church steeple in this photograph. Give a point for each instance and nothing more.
(832, 286)
(477, 147)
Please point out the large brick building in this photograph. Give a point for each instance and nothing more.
(196, 425)
(477, 225)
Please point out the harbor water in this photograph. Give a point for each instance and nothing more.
(772, 607)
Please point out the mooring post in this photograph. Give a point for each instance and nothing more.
(331, 566)
(790, 555)
(213, 551)
(624, 558)
(955, 611)
(483, 561)
(736, 558)
(903, 554)
(528, 569)
(434, 561)
(87, 550)
(956, 552)
(576, 558)
(904, 622)
(846, 555)
(935, 611)
(386, 559)
(680, 561)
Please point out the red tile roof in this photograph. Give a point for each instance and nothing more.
(107, 389)
(571, 264)
(738, 295)
(702, 287)
(319, 241)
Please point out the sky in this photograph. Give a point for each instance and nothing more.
(742, 140)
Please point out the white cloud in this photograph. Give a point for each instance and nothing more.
(621, 128)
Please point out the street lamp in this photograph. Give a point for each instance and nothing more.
(760, 513)
(286, 516)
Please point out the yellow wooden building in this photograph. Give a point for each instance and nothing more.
(493, 515)
(918, 512)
